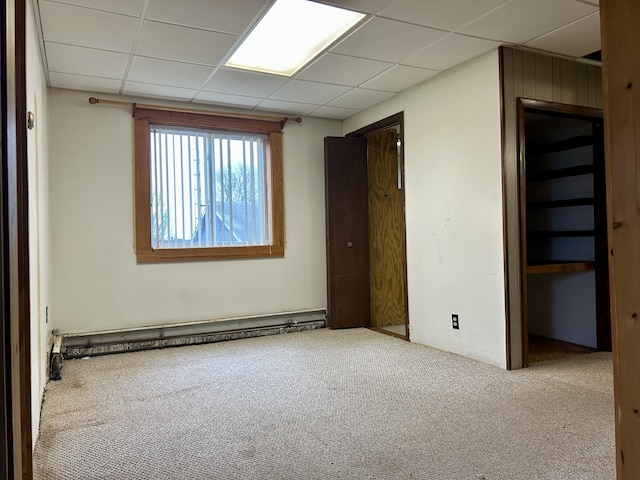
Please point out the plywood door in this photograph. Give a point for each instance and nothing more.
(386, 243)
(347, 232)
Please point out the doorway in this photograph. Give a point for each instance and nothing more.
(366, 247)
(565, 286)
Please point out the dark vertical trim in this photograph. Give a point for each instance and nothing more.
(522, 202)
(505, 237)
(603, 304)
(16, 237)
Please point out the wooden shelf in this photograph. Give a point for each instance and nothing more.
(571, 202)
(560, 267)
(561, 145)
(559, 173)
(561, 233)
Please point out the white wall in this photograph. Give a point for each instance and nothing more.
(453, 195)
(96, 282)
(39, 252)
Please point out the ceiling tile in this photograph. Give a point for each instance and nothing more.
(160, 91)
(226, 99)
(399, 77)
(360, 98)
(438, 14)
(184, 44)
(88, 28)
(229, 16)
(451, 50)
(308, 92)
(522, 20)
(387, 40)
(82, 82)
(334, 112)
(125, 7)
(166, 72)
(287, 107)
(342, 70)
(85, 61)
(243, 82)
(575, 40)
(364, 6)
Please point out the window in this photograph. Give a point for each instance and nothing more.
(207, 187)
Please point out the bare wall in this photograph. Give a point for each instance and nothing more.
(39, 229)
(453, 192)
(96, 283)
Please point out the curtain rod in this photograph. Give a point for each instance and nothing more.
(282, 120)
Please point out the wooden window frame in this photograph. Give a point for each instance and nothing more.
(145, 253)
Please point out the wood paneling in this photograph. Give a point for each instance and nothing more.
(386, 252)
(621, 50)
(540, 77)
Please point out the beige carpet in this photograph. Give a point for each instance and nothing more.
(323, 404)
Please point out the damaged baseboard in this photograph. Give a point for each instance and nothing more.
(78, 345)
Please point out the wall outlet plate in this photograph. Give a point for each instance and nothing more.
(454, 321)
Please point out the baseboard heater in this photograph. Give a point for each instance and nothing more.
(79, 345)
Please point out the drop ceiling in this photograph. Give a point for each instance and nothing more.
(176, 50)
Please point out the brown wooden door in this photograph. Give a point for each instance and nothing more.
(386, 228)
(347, 228)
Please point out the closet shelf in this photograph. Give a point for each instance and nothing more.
(571, 202)
(561, 145)
(561, 233)
(560, 267)
(559, 173)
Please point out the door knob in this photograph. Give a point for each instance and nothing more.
(349, 244)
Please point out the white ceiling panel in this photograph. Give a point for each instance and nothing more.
(228, 16)
(86, 27)
(125, 7)
(241, 82)
(334, 112)
(448, 15)
(451, 50)
(176, 49)
(166, 72)
(185, 44)
(159, 91)
(85, 61)
(288, 107)
(364, 6)
(308, 92)
(577, 39)
(399, 77)
(359, 98)
(387, 40)
(226, 99)
(343, 70)
(522, 20)
(82, 82)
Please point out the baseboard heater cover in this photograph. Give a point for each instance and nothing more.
(80, 345)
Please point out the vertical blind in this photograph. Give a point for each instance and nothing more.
(208, 188)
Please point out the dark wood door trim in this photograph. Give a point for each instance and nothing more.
(594, 115)
(385, 123)
(15, 240)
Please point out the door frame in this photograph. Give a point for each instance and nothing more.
(384, 124)
(525, 105)
(15, 362)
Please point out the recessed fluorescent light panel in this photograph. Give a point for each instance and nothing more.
(290, 34)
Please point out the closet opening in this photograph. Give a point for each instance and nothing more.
(563, 231)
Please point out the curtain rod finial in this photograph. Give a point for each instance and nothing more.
(93, 100)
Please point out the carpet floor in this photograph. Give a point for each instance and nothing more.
(351, 404)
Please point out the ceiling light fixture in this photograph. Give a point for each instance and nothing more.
(291, 34)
